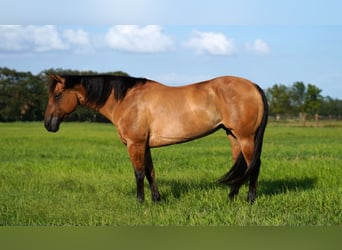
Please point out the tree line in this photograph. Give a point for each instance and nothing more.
(300, 99)
(23, 97)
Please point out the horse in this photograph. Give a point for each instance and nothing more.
(148, 114)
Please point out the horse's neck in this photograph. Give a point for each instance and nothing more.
(107, 109)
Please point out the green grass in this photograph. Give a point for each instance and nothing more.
(82, 176)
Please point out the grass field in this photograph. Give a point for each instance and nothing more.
(82, 176)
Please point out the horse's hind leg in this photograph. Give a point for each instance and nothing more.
(242, 151)
(247, 148)
(236, 151)
(151, 176)
(253, 182)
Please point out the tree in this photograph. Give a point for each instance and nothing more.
(331, 107)
(22, 96)
(313, 99)
(297, 96)
(296, 99)
(279, 99)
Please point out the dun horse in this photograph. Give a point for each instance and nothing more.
(148, 114)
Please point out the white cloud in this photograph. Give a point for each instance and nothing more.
(11, 38)
(133, 38)
(78, 39)
(258, 47)
(212, 43)
(44, 38)
(15, 38)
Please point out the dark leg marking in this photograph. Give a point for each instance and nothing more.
(151, 176)
(253, 182)
(139, 177)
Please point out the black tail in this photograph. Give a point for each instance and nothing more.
(239, 173)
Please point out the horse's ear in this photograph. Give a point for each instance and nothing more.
(56, 77)
(60, 80)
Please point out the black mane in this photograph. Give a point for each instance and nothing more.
(99, 87)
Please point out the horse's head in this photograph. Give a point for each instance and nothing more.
(62, 101)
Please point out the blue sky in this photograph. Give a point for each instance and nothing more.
(263, 41)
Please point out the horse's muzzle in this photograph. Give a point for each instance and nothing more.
(52, 124)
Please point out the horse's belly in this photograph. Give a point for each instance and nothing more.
(179, 132)
(183, 119)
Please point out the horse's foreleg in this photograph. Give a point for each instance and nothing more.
(139, 177)
(151, 176)
(137, 155)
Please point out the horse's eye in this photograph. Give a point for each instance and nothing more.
(58, 96)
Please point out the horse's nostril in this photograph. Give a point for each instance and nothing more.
(52, 124)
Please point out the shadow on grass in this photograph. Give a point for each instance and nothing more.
(281, 186)
(265, 187)
(181, 187)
